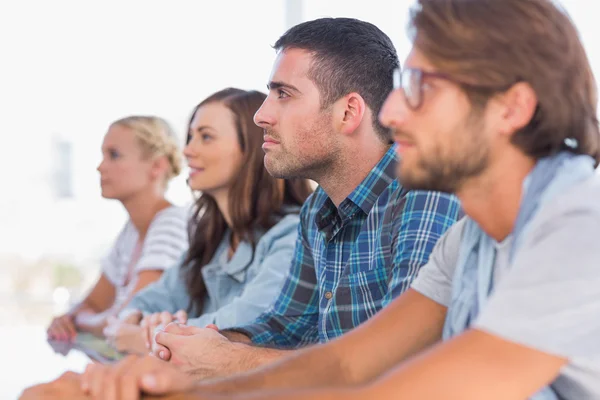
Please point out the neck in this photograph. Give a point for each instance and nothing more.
(142, 208)
(221, 197)
(493, 199)
(341, 178)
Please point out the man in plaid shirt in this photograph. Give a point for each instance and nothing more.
(362, 237)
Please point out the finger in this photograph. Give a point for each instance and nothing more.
(161, 351)
(87, 377)
(159, 382)
(144, 324)
(67, 327)
(96, 380)
(129, 388)
(181, 316)
(60, 331)
(132, 316)
(110, 384)
(112, 320)
(152, 325)
(213, 327)
(165, 318)
(109, 333)
(51, 331)
(123, 375)
(71, 328)
(181, 329)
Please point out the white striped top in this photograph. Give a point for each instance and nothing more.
(165, 242)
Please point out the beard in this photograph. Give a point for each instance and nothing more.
(447, 168)
(307, 159)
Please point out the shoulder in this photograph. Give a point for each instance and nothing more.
(174, 215)
(284, 231)
(574, 214)
(398, 204)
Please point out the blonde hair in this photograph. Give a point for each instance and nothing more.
(157, 138)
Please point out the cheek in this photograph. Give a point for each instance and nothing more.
(130, 173)
(225, 163)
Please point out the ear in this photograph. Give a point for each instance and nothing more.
(518, 107)
(159, 168)
(349, 112)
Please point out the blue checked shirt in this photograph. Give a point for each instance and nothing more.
(351, 261)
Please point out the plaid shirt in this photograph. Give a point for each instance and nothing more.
(351, 261)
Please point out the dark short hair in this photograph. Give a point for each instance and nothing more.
(349, 55)
(496, 43)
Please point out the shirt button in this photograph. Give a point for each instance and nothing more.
(328, 295)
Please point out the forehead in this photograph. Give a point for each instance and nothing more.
(291, 67)
(212, 114)
(119, 136)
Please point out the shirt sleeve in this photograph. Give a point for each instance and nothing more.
(421, 222)
(166, 294)
(112, 265)
(292, 320)
(549, 299)
(263, 288)
(165, 241)
(435, 278)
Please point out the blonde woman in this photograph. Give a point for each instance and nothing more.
(140, 156)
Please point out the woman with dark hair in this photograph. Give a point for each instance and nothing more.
(242, 234)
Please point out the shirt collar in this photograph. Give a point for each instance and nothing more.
(365, 194)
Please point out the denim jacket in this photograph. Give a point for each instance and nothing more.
(237, 290)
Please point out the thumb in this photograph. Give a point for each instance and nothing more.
(181, 329)
(181, 316)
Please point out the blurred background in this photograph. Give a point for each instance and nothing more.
(69, 68)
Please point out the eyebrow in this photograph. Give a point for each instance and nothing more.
(109, 148)
(274, 85)
(203, 128)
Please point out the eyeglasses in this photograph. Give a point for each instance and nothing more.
(410, 80)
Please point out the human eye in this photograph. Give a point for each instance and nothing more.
(281, 94)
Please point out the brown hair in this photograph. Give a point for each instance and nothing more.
(497, 43)
(257, 200)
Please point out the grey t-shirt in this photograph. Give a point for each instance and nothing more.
(549, 298)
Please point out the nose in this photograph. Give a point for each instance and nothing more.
(394, 112)
(188, 150)
(100, 166)
(264, 115)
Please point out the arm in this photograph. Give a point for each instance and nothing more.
(411, 323)
(90, 320)
(99, 299)
(459, 369)
(421, 222)
(291, 321)
(166, 294)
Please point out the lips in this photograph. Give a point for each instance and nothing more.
(194, 171)
(268, 139)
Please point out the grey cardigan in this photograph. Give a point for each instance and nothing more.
(237, 291)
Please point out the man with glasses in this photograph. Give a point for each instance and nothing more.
(497, 103)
